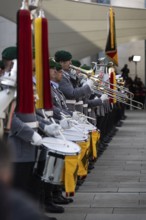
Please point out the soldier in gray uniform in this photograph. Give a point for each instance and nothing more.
(72, 94)
(58, 99)
(26, 141)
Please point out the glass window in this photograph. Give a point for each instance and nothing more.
(103, 1)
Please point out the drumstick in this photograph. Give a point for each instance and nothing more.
(54, 123)
(37, 160)
(60, 132)
(73, 124)
(87, 116)
(65, 116)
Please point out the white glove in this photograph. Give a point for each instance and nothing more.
(76, 115)
(36, 139)
(83, 119)
(90, 83)
(52, 130)
(104, 98)
(79, 117)
(66, 123)
(74, 122)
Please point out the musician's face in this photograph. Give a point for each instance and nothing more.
(8, 65)
(1, 72)
(65, 65)
(58, 75)
(55, 75)
(52, 74)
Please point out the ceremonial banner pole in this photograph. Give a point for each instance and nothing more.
(111, 46)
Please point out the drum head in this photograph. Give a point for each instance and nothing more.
(79, 130)
(88, 127)
(59, 146)
(74, 136)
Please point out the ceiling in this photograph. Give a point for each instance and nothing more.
(81, 28)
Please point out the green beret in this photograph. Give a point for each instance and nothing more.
(52, 64)
(62, 55)
(76, 63)
(58, 66)
(10, 53)
(86, 67)
(2, 66)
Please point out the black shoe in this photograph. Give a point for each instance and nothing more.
(90, 167)
(60, 200)
(49, 218)
(80, 182)
(70, 200)
(104, 144)
(123, 117)
(52, 208)
(77, 187)
(119, 124)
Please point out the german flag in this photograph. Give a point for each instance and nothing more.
(111, 47)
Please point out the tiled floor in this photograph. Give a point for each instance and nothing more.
(116, 188)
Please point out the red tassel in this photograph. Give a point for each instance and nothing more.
(47, 99)
(25, 102)
(111, 86)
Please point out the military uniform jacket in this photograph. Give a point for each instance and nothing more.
(20, 137)
(69, 91)
(59, 102)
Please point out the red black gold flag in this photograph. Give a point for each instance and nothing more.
(111, 47)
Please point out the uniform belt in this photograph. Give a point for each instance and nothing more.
(85, 105)
(79, 103)
(33, 124)
(70, 101)
(49, 113)
(89, 109)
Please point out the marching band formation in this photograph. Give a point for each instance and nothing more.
(57, 124)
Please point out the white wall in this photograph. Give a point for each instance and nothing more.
(7, 34)
(129, 3)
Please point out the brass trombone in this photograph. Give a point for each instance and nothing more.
(104, 87)
(123, 100)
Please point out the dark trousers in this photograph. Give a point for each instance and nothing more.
(25, 180)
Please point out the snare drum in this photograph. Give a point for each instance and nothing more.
(88, 127)
(57, 149)
(74, 136)
(75, 166)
